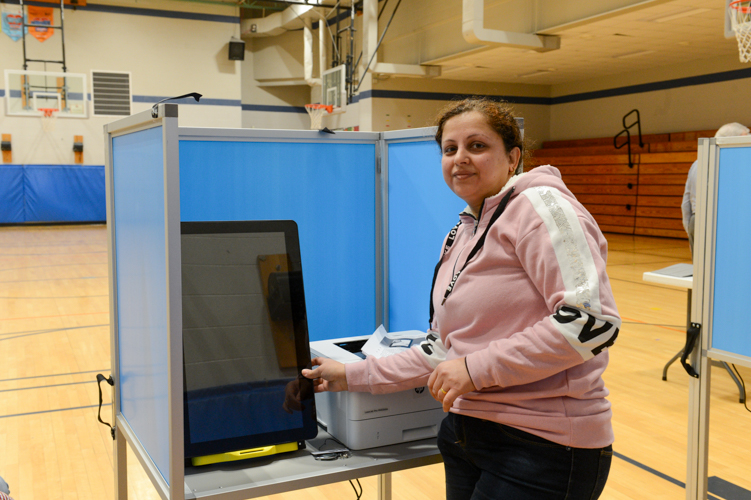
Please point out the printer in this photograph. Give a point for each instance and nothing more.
(362, 420)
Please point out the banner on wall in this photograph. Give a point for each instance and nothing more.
(12, 21)
(41, 16)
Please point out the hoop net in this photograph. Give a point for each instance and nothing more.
(740, 18)
(316, 114)
(49, 115)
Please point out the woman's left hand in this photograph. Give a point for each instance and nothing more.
(450, 380)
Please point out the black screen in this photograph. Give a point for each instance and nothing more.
(245, 337)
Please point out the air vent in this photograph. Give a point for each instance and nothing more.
(110, 93)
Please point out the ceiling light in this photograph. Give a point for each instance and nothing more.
(634, 54)
(679, 15)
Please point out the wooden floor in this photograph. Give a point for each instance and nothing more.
(54, 339)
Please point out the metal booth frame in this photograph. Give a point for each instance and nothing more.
(160, 451)
(703, 309)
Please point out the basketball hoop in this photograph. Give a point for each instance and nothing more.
(49, 115)
(740, 18)
(316, 114)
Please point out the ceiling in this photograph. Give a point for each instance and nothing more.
(668, 33)
(646, 34)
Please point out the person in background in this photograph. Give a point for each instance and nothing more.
(4, 490)
(522, 315)
(688, 206)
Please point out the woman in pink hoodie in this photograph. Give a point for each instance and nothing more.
(522, 315)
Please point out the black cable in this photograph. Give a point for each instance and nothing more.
(743, 385)
(358, 495)
(155, 110)
(383, 8)
(377, 19)
(333, 439)
(99, 379)
(375, 51)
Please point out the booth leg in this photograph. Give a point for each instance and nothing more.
(698, 429)
(121, 465)
(384, 486)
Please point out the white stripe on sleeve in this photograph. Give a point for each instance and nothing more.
(588, 334)
(580, 277)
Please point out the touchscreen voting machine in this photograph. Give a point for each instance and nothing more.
(362, 420)
(245, 341)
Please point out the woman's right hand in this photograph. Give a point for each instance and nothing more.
(328, 375)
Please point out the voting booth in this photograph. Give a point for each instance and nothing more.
(722, 273)
(371, 210)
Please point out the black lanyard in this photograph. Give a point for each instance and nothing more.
(450, 241)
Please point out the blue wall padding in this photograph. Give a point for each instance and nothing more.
(422, 210)
(140, 257)
(52, 193)
(730, 328)
(64, 193)
(11, 194)
(327, 188)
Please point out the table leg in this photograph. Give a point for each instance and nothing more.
(680, 353)
(667, 365)
(741, 392)
(121, 465)
(384, 486)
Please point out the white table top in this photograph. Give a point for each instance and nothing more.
(680, 275)
(296, 470)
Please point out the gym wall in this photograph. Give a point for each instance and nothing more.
(169, 48)
(670, 99)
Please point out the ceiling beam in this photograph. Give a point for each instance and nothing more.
(474, 31)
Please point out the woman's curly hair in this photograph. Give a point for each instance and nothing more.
(499, 115)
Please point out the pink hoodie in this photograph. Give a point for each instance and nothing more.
(532, 312)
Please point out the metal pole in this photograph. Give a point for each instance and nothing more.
(351, 55)
(384, 486)
(337, 59)
(23, 35)
(62, 35)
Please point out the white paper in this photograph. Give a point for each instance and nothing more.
(383, 343)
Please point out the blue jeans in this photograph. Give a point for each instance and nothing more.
(487, 460)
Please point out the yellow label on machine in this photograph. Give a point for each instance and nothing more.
(244, 454)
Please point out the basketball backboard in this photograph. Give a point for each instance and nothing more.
(26, 92)
(334, 88)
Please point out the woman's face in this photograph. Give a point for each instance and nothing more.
(474, 160)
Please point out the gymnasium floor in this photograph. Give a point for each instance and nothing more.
(54, 339)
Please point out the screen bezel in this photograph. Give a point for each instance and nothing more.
(309, 426)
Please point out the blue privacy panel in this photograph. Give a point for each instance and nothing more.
(11, 194)
(422, 210)
(142, 289)
(328, 189)
(730, 328)
(64, 193)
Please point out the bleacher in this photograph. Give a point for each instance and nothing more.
(644, 199)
